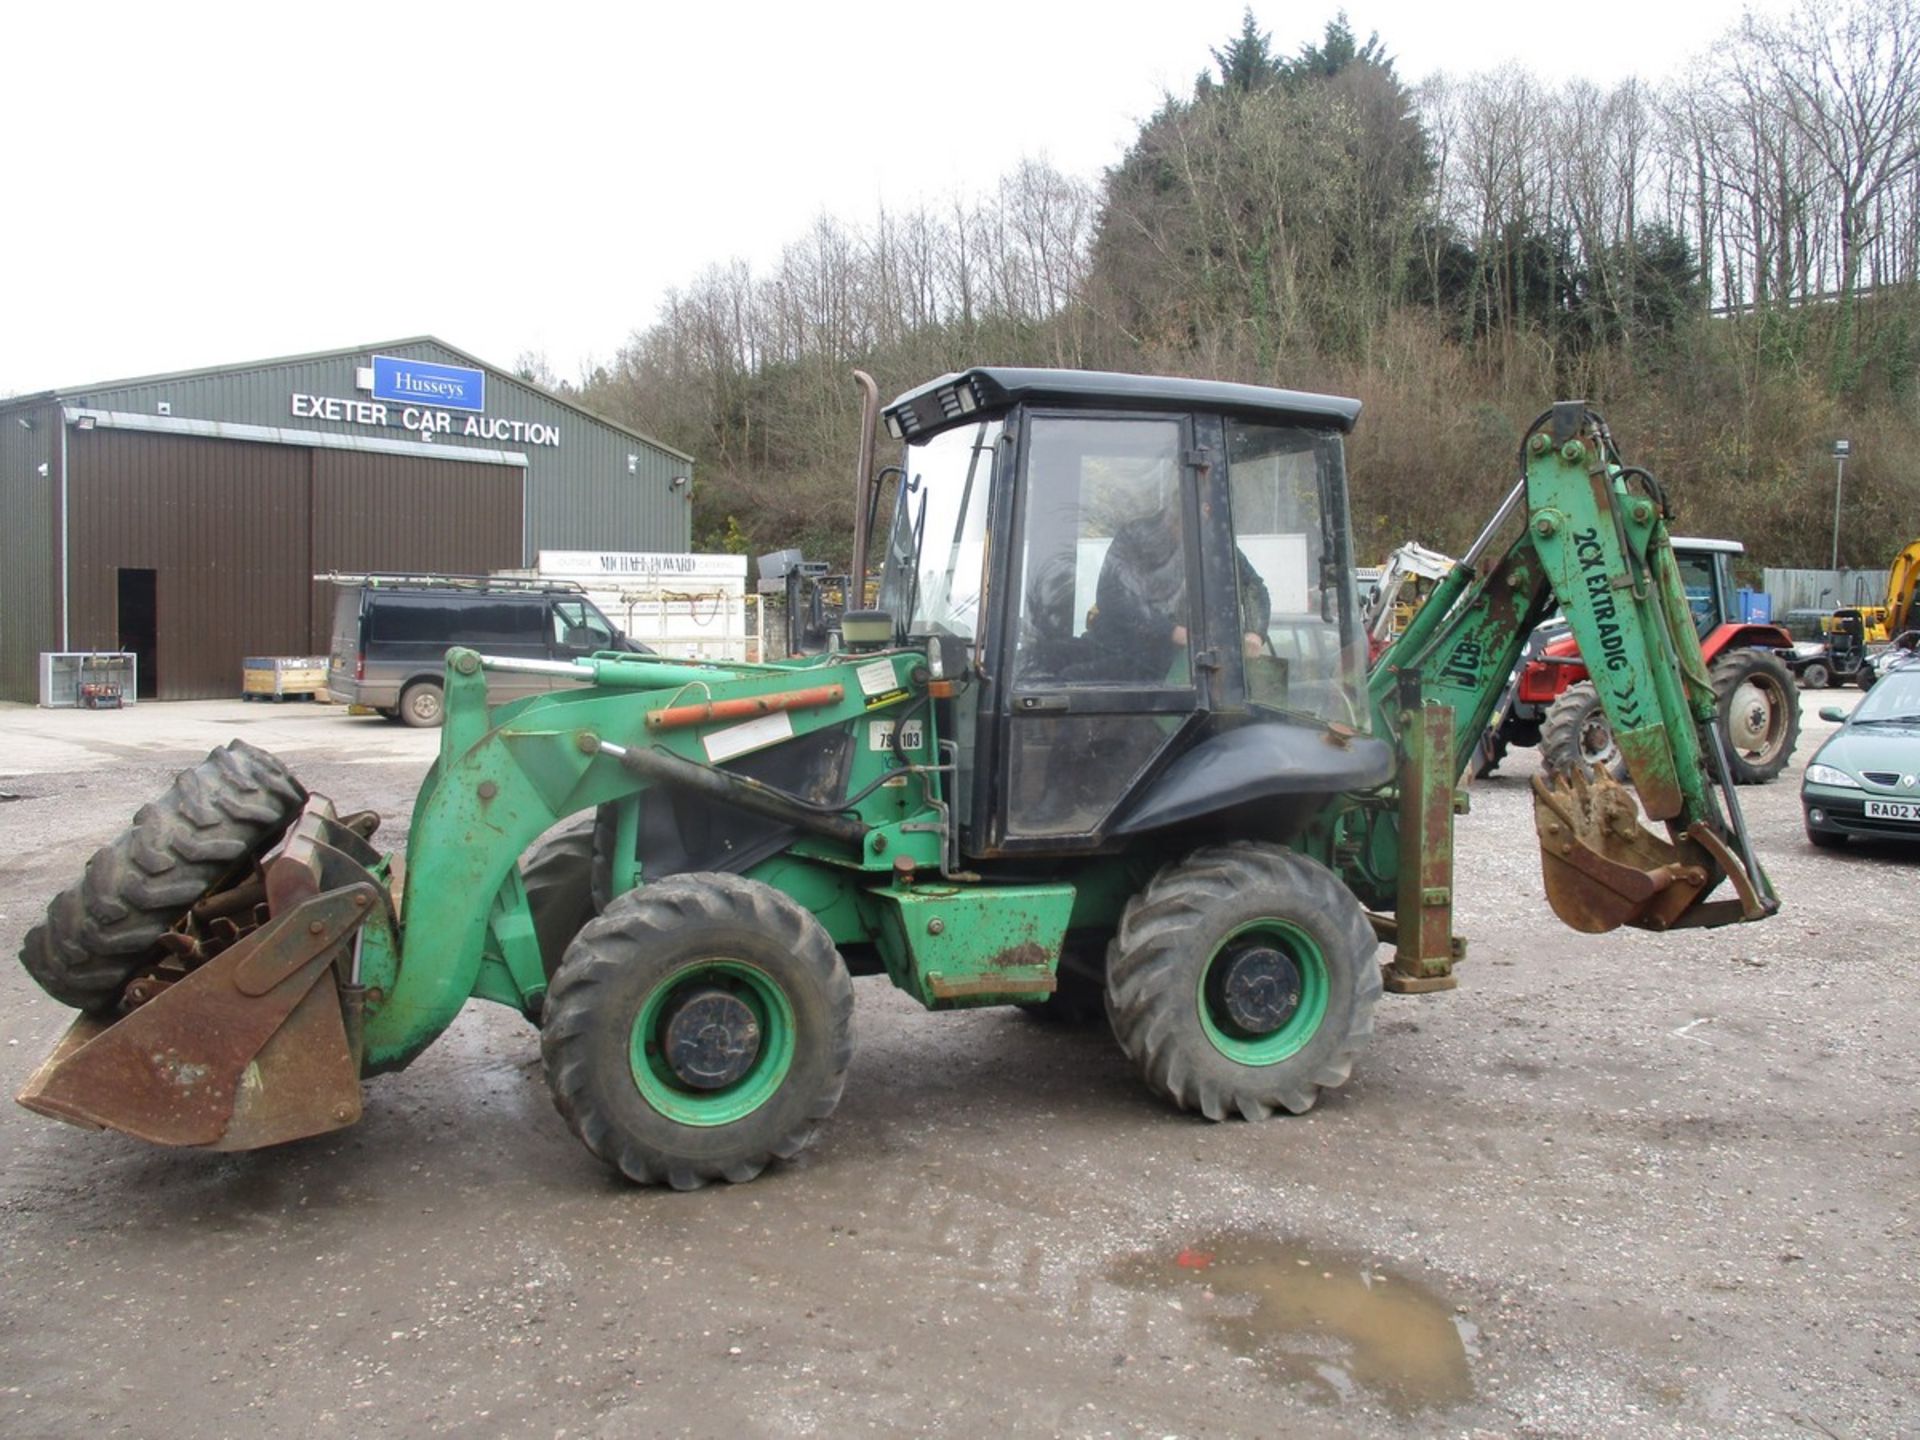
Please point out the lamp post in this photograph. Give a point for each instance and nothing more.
(1841, 449)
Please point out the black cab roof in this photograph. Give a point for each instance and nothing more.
(954, 398)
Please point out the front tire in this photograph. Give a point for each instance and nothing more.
(1815, 675)
(558, 875)
(1242, 980)
(1759, 713)
(701, 1027)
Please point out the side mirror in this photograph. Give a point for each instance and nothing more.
(1833, 713)
(580, 637)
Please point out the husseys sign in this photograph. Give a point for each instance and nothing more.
(422, 382)
(426, 398)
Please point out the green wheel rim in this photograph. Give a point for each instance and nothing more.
(1308, 1013)
(683, 1104)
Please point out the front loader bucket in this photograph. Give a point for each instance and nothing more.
(252, 1046)
(1603, 868)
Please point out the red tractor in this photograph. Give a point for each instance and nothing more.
(1552, 703)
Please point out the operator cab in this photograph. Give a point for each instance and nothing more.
(1706, 573)
(1129, 574)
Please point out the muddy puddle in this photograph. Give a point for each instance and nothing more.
(1340, 1327)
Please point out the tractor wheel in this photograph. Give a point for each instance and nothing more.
(558, 874)
(1575, 738)
(1815, 675)
(1082, 996)
(699, 1028)
(1759, 713)
(423, 705)
(1242, 980)
(214, 820)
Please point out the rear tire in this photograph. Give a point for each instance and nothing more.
(213, 821)
(422, 705)
(737, 981)
(1759, 713)
(1242, 980)
(1575, 738)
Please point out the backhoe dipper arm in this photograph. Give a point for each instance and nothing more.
(1595, 542)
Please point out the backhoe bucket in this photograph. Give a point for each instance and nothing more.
(245, 1033)
(1603, 868)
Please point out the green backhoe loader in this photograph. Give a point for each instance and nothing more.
(1109, 743)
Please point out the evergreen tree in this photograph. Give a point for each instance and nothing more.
(1247, 64)
(1336, 51)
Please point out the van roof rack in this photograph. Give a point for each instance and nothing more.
(401, 580)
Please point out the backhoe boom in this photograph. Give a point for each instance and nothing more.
(1594, 543)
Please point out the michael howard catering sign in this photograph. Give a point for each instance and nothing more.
(421, 382)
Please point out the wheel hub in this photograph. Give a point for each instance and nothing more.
(1256, 989)
(710, 1038)
(1750, 718)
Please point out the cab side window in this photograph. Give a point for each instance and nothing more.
(1103, 574)
(579, 629)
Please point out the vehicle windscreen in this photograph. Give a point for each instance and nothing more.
(1893, 697)
(938, 545)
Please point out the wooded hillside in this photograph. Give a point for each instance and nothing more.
(1726, 265)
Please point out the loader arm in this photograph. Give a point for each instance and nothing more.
(507, 775)
(1584, 532)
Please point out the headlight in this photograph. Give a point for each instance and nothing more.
(1827, 775)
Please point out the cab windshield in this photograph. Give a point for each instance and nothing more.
(938, 545)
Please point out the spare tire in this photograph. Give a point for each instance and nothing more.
(213, 821)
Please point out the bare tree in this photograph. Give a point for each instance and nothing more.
(1845, 78)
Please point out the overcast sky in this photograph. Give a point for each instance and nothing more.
(194, 185)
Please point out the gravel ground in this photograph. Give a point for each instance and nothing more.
(1613, 1185)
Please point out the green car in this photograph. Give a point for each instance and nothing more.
(1866, 779)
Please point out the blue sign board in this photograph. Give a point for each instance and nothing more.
(422, 382)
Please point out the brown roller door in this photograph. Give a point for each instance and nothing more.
(396, 512)
(225, 536)
(221, 524)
